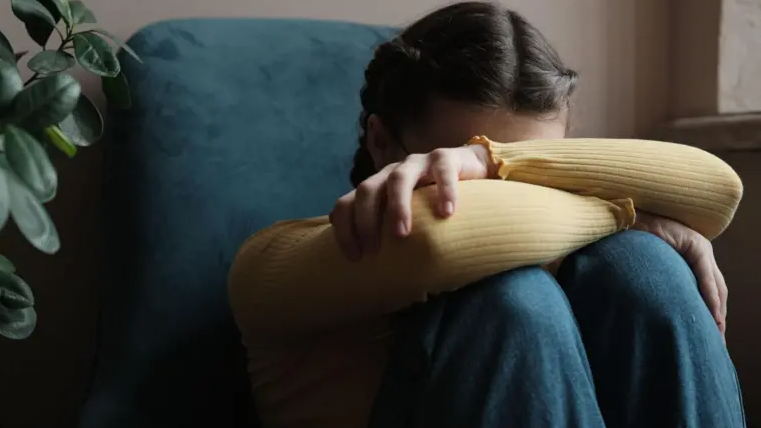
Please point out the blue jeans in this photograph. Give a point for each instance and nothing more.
(621, 338)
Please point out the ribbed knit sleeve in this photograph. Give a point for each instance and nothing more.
(677, 181)
(291, 278)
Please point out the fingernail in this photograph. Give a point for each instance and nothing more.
(401, 228)
(447, 209)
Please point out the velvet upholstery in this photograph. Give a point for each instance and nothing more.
(235, 123)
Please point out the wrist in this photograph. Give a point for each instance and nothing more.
(673, 232)
(485, 160)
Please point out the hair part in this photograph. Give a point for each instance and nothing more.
(479, 53)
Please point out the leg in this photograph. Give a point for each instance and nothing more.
(503, 352)
(655, 352)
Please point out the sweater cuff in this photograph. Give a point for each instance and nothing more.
(497, 168)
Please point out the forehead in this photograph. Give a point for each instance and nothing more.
(451, 124)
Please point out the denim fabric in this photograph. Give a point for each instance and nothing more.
(622, 338)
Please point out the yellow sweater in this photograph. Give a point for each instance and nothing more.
(315, 324)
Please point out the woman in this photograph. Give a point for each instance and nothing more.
(618, 337)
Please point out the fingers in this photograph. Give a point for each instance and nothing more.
(401, 182)
(721, 285)
(357, 216)
(701, 259)
(704, 273)
(709, 288)
(445, 173)
(370, 196)
(344, 229)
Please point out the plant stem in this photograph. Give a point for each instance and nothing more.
(32, 79)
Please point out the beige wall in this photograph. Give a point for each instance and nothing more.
(617, 45)
(621, 48)
(694, 57)
(739, 59)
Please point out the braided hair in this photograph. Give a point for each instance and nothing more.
(472, 52)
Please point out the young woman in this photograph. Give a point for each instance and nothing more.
(621, 335)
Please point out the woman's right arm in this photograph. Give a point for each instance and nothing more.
(293, 278)
(675, 181)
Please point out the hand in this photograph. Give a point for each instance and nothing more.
(698, 252)
(357, 216)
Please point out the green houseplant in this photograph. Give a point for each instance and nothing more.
(46, 112)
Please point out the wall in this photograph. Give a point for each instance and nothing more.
(740, 64)
(618, 46)
(694, 58)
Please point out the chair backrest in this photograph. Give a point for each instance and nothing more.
(235, 123)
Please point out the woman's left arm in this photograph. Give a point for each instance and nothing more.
(675, 181)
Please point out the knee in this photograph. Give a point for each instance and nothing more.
(635, 270)
(524, 301)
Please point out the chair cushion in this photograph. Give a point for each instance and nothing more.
(235, 123)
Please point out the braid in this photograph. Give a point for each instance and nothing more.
(387, 76)
(540, 86)
(364, 167)
(472, 52)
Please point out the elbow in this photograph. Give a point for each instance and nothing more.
(244, 297)
(238, 282)
(729, 194)
(253, 310)
(736, 189)
(732, 189)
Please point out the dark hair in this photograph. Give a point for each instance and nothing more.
(473, 52)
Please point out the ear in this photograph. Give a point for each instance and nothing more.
(379, 141)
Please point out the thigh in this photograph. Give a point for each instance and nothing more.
(520, 301)
(481, 355)
(655, 351)
(629, 274)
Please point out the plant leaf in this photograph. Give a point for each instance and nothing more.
(30, 215)
(60, 140)
(17, 316)
(116, 90)
(85, 124)
(6, 50)
(47, 62)
(63, 8)
(5, 200)
(29, 160)
(95, 54)
(10, 84)
(24, 9)
(6, 265)
(46, 102)
(81, 14)
(14, 291)
(118, 42)
(17, 324)
(40, 20)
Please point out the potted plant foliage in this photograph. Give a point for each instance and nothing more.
(44, 112)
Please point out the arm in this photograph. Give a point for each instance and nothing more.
(675, 181)
(292, 278)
